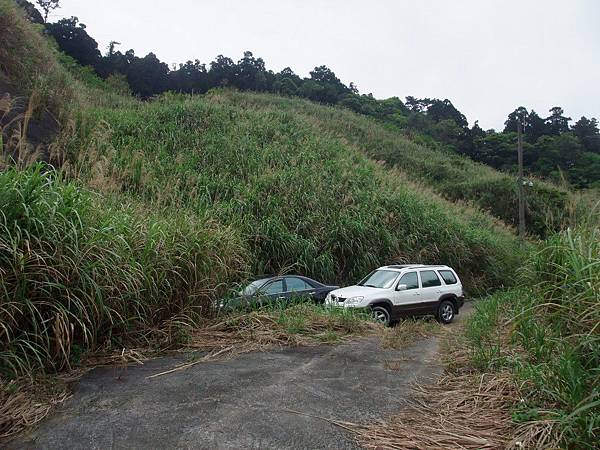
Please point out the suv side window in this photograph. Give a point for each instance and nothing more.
(448, 277)
(410, 280)
(429, 279)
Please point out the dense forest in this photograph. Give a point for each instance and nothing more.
(554, 148)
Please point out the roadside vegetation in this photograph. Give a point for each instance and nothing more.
(548, 338)
(79, 273)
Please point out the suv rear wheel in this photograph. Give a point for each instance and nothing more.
(445, 312)
(381, 314)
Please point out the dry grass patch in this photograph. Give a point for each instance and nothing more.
(300, 325)
(458, 412)
(409, 331)
(25, 402)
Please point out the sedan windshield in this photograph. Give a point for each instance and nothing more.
(383, 279)
(253, 287)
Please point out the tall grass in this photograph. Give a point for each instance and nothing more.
(454, 177)
(303, 201)
(553, 343)
(78, 274)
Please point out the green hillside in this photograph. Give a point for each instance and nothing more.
(454, 177)
(155, 207)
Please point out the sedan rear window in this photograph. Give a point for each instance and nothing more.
(276, 287)
(448, 277)
(297, 285)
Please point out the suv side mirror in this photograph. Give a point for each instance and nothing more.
(401, 287)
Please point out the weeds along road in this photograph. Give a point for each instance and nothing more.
(266, 400)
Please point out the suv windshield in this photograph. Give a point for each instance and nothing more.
(382, 279)
(253, 287)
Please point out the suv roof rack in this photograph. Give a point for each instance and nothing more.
(406, 266)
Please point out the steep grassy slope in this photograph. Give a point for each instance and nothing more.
(167, 202)
(454, 177)
(305, 201)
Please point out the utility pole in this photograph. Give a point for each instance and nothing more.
(521, 180)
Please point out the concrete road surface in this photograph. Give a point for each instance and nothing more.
(243, 403)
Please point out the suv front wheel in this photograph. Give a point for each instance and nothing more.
(445, 312)
(381, 315)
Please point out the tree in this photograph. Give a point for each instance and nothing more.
(587, 132)
(222, 71)
(557, 152)
(534, 128)
(519, 115)
(497, 150)
(330, 89)
(189, 77)
(448, 132)
(47, 6)
(439, 110)
(557, 123)
(31, 12)
(148, 76)
(111, 48)
(73, 39)
(285, 86)
(417, 105)
(585, 173)
(286, 82)
(249, 74)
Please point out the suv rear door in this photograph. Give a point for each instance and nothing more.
(431, 288)
(451, 281)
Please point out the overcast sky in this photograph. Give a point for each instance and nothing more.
(486, 56)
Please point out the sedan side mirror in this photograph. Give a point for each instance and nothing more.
(401, 287)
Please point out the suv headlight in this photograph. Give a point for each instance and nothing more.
(352, 301)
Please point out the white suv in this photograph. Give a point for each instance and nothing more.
(392, 292)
